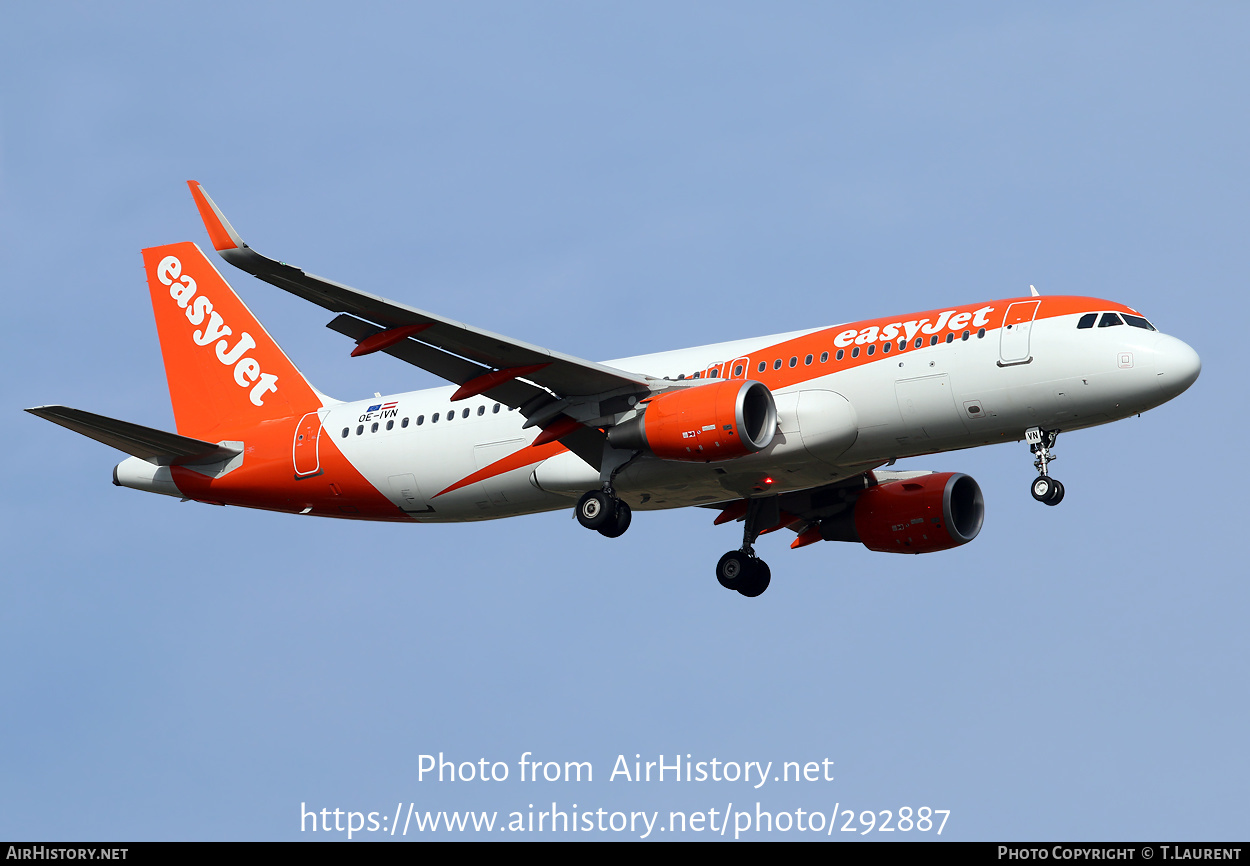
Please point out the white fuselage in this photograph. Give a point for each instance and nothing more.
(838, 420)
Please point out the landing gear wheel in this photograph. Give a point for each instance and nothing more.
(616, 527)
(595, 509)
(757, 579)
(744, 573)
(1046, 489)
(733, 569)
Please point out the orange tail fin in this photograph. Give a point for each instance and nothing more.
(225, 372)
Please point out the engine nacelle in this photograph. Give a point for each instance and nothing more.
(703, 424)
(916, 515)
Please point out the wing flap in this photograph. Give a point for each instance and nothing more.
(586, 442)
(146, 443)
(443, 364)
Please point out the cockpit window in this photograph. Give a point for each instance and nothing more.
(1138, 322)
(1087, 320)
(1109, 319)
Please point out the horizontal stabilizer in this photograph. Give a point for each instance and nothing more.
(154, 446)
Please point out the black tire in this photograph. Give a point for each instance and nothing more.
(595, 509)
(1043, 489)
(1057, 496)
(620, 522)
(757, 581)
(734, 569)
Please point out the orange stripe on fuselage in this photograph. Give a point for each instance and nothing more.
(871, 331)
(524, 456)
(267, 479)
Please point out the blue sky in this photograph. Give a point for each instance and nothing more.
(609, 181)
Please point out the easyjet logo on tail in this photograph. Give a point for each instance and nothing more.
(247, 371)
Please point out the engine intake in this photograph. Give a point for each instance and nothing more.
(917, 515)
(703, 424)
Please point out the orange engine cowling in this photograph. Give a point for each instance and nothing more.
(703, 424)
(916, 515)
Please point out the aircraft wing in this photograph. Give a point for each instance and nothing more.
(801, 511)
(442, 345)
(146, 443)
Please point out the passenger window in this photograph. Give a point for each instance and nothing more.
(1087, 321)
(737, 371)
(404, 423)
(360, 429)
(434, 420)
(374, 428)
(777, 364)
(840, 355)
(872, 349)
(420, 420)
(481, 410)
(763, 366)
(697, 376)
(980, 333)
(465, 413)
(933, 340)
(794, 361)
(1138, 322)
(495, 411)
(965, 336)
(807, 362)
(1109, 320)
(885, 349)
(390, 425)
(345, 432)
(950, 338)
(919, 342)
(824, 356)
(855, 352)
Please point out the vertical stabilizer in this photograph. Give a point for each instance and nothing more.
(225, 372)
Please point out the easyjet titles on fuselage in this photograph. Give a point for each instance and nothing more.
(951, 319)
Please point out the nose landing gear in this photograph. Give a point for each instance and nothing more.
(1044, 488)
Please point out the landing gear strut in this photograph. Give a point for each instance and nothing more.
(1044, 489)
(740, 569)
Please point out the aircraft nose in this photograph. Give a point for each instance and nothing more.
(1179, 366)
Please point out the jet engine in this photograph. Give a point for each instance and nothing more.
(703, 424)
(916, 515)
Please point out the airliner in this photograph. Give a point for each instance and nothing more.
(794, 431)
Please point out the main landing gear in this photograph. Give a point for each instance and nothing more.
(741, 570)
(601, 511)
(1044, 489)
